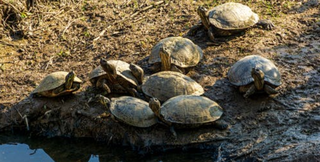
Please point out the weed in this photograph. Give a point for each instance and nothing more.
(23, 15)
(87, 33)
(63, 53)
(2, 68)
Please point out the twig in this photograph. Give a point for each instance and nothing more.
(8, 44)
(219, 157)
(7, 102)
(146, 8)
(235, 157)
(12, 7)
(139, 19)
(66, 28)
(101, 34)
(25, 118)
(48, 63)
(277, 157)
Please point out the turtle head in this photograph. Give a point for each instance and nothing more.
(258, 77)
(110, 69)
(103, 100)
(69, 79)
(165, 56)
(155, 106)
(137, 72)
(202, 12)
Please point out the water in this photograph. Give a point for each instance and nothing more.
(24, 149)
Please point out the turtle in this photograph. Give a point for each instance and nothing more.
(98, 79)
(255, 73)
(120, 75)
(130, 110)
(188, 111)
(166, 84)
(174, 53)
(229, 18)
(57, 84)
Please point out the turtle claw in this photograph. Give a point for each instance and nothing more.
(266, 24)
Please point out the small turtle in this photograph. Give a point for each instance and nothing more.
(57, 84)
(255, 73)
(166, 84)
(130, 110)
(175, 54)
(229, 18)
(187, 111)
(98, 79)
(121, 75)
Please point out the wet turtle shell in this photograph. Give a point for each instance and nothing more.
(132, 111)
(232, 16)
(240, 73)
(53, 81)
(184, 53)
(166, 84)
(190, 109)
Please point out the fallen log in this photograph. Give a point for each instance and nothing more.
(82, 115)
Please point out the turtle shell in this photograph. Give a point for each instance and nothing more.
(232, 16)
(240, 73)
(184, 53)
(133, 111)
(123, 70)
(53, 80)
(97, 72)
(190, 109)
(166, 84)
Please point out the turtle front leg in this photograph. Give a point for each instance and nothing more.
(250, 91)
(174, 133)
(133, 92)
(59, 91)
(75, 86)
(177, 69)
(210, 33)
(270, 90)
(155, 67)
(266, 24)
(220, 124)
(102, 83)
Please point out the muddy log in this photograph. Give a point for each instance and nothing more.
(82, 115)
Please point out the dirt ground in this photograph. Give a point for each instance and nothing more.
(74, 35)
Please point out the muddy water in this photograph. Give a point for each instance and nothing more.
(22, 148)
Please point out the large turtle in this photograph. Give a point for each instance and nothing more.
(186, 111)
(130, 110)
(174, 53)
(119, 75)
(255, 73)
(57, 84)
(229, 18)
(166, 84)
